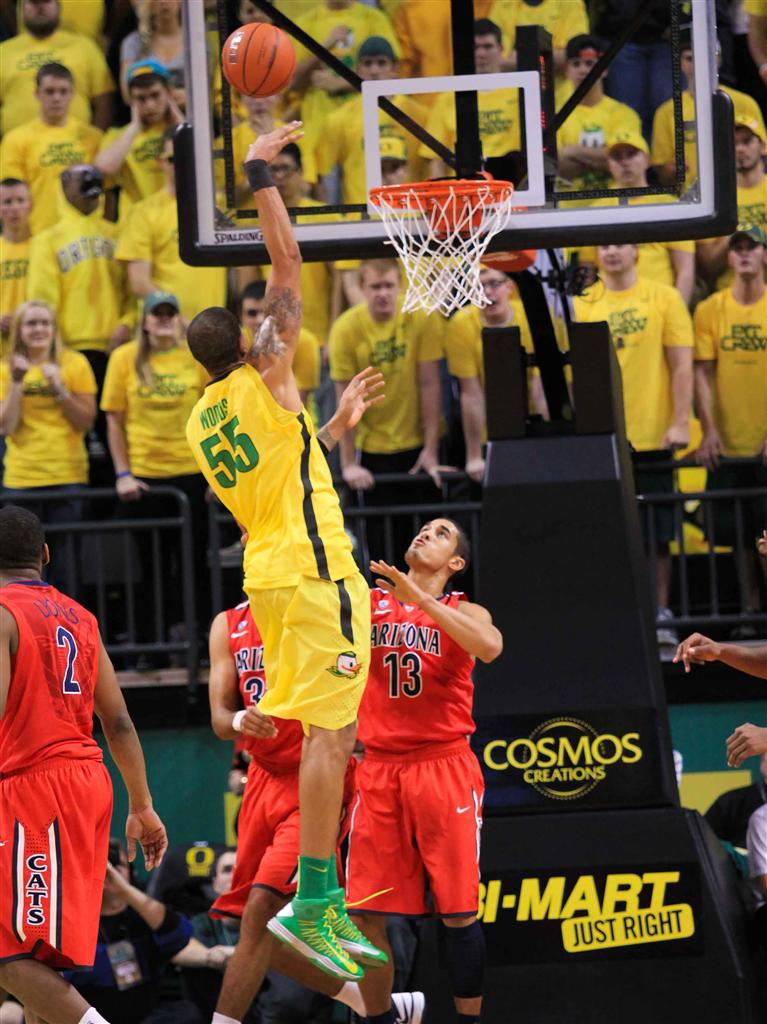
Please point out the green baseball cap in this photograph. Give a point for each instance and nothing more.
(750, 231)
(155, 299)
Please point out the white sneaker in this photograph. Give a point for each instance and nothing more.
(409, 1006)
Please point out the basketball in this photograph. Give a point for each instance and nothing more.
(258, 59)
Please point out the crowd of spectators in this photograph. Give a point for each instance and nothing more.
(94, 297)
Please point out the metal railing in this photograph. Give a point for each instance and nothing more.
(102, 568)
(96, 561)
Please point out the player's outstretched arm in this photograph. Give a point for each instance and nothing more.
(360, 393)
(698, 649)
(227, 715)
(282, 307)
(470, 625)
(143, 824)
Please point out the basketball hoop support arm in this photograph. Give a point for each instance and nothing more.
(468, 146)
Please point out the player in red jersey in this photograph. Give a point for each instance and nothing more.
(264, 877)
(419, 794)
(55, 793)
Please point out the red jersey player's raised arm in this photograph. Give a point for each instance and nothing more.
(143, 824)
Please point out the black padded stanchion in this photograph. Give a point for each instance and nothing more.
(603, 902)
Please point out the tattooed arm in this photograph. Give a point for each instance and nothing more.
(278, 336)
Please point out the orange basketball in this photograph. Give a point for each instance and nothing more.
(258, 59)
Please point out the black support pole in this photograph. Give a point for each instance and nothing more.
(468, 148)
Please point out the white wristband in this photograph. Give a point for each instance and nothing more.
(237, 720)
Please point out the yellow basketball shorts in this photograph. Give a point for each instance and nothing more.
(316, 639)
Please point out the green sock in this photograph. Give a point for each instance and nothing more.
(333, 873)
(312, 878)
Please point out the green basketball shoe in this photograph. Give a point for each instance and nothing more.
(348, 934)
(306, 926)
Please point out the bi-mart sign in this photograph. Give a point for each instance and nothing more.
(535, 917)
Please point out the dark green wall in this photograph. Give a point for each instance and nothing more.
(188, 767)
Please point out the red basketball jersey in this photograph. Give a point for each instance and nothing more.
(49, 712)
(419, 689)
(283, 753)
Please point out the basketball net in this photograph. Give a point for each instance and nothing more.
(441, 230)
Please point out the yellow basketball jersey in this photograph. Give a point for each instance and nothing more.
(267, 467)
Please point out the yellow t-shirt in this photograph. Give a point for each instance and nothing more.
(654, 260)
(141, 174)
(662, 150)
(83, 17)
(45, 450)
(562, 18)
(362, 21)
(757, 7)
(498, 122)
(14, 267)
(37, 153)
(395, 347)
(343, 143)
(643, 320)
(155, 415)
(595, 126)
(424, 31)
(72, 267)
(20, 58)
(752, 209)
(735, 336)
(266, 466)
(150, 234)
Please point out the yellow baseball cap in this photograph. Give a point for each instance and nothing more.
(743, 121)
(628, 138)
(393, 148)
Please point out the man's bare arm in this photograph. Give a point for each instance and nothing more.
(698, 649)
(143, 824)
(224, 693)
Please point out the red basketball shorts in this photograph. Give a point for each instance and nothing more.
(268, 833)
(416, 822)
(54, 835)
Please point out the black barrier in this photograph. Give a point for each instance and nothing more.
(104, 572)
(587, 857)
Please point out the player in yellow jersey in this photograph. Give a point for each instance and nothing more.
(256, 447)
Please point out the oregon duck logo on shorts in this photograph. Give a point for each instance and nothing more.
(346, 665)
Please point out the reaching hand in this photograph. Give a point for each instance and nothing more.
(266, 147)
(397, 583)
(747, 741)
(428, 462)
(697, 650)
(360, 393)
(145, 827)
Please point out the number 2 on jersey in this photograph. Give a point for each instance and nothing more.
(244, 459)
(65, 639)
(404, 674)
